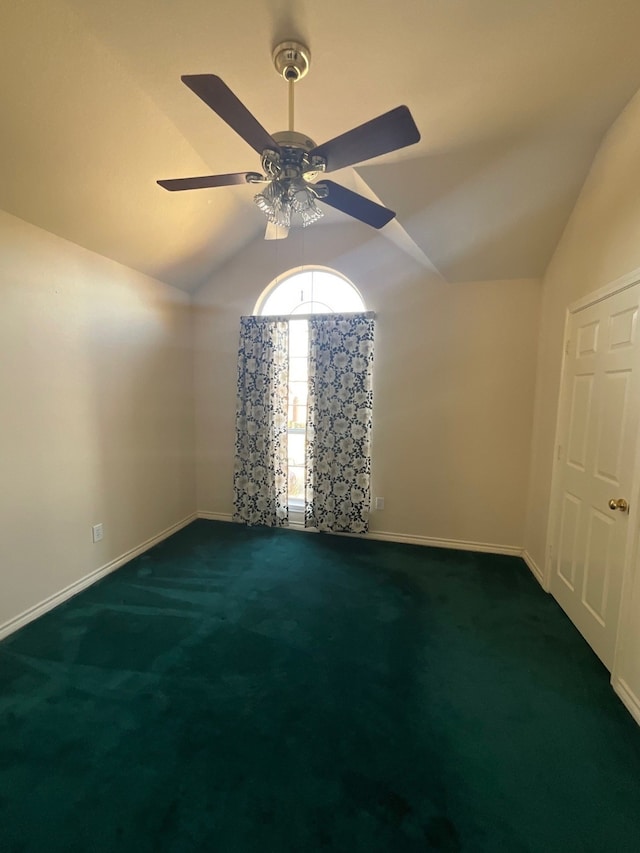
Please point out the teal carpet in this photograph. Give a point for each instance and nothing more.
(239, 690)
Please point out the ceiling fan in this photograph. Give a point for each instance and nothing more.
(291, 161)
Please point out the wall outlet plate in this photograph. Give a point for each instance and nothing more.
(97, 532)
(379, 503)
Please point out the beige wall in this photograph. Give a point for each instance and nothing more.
(601, 243)
(454, 381)
(96, 396)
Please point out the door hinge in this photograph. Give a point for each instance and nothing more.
(559, 452)
(567, 347)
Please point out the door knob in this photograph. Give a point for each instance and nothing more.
(620, 504)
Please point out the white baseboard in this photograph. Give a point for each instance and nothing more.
(77, 586)
(628, 698)
(536, 571)
(457, 544)
(215, 516)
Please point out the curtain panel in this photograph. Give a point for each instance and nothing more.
(260, 470)
(340, 404)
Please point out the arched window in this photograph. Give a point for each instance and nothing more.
(310, 290)
(299, 293)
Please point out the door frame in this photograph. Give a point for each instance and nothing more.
(630, 560)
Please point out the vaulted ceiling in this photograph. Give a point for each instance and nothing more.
(512, 100)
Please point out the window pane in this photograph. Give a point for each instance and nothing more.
(312, 306)
(296, 449)
(312, 292)
(284, 297)
(297, 417)
(298, 370)
(298, 339)
(332, 290)
(296, 482)
(298, 393)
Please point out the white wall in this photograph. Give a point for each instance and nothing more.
(96, 395)
(453, 384)
(601, 243)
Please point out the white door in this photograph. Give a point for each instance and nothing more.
(596, 452)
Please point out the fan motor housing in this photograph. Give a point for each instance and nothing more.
(293, 139)
(292, 159)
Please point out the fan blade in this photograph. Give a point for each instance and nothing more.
(388, 132)
(222, 101)
(205, 181)
(357, 205)
(275, 232)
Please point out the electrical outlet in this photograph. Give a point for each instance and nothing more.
(97, 532)
(379, 503)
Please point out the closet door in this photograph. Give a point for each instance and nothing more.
(596, 466)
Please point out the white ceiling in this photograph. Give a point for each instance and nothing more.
(512, 98)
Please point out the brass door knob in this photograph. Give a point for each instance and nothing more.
(618, 503)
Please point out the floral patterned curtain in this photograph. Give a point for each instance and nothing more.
(338, 462)
(260, 471)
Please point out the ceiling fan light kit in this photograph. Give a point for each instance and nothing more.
(291, 161)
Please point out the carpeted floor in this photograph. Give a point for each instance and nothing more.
(239, 690)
